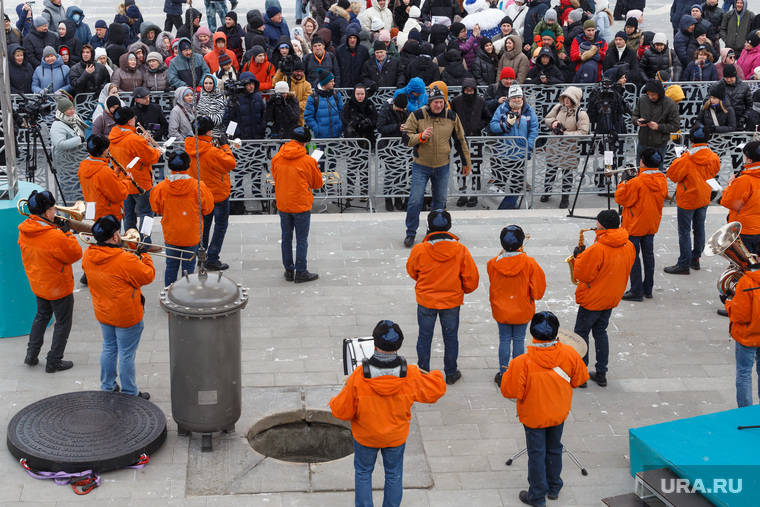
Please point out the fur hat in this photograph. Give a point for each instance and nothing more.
(439, 220)
(388, 336)
(122, 115)
(97, 144)
(301, 134)
(650, 158)
(544, 326)
(39, 202)
(105, 227)
(178, 161)
(511, 238)
(609, 219)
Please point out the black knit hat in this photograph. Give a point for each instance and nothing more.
(379, 46)
(456, 28)
(112, 100)
(122, 115)
(388, 336)
(511, 237)
(178, 161)
(105, 227)
(506, 19)
(729, 70)
(439, 220)
(609, 219)
(39, 202)
(544, 326)
(96, 145)
(401, 101)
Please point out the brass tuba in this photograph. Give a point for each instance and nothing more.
(727, 243)
(571, 259)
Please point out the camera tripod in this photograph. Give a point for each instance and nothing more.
(564, 449)
(31, 137)
(607, 142)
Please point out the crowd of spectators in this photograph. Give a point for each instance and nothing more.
(268, 78)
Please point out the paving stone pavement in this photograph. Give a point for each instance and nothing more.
(671, 357)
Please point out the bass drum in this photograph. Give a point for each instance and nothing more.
(574, 340)
(354, 350)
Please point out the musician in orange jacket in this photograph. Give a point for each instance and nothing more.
(48, 249)
(295, 174)
(115, 277)
(742, 197)
(642, 199)
(215, 167)
(602, 271)
(176, 200)
(542, 382)
(517, 281)
(744, 313)
(378, 399)
(444, 271)
(100, 182)
(690, 172)
(126, 144)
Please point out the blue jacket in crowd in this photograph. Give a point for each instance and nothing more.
(273, 31)
(55, 74)
(248, 112)
(83, 32)
(415, 85)
(180, 73)
(526, 126)
(323, 113)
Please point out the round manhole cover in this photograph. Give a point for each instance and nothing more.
(291, 437)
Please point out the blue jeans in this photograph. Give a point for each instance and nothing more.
(299, 10)
(752, 242)
(121, 343)
(213, 8)
(513, 334)
(746, 357)
(661, 149)
(645, 245)
(450, 330)
(364, 464)
(221, 217)
(439, 177)
(142, 204)
(172, 265)
(596, 321)
(300, 222)
(688, 220)
(544, 462)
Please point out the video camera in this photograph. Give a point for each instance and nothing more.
(288, 64)
(32, 109)
(234, 88)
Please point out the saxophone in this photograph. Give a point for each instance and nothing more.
(571, 259)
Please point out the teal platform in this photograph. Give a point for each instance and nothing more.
(709, 451)
(18, 305)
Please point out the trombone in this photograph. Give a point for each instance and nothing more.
(152, 142)
(131, 240)
(75, 212)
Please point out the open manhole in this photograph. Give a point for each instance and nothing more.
(289, 436)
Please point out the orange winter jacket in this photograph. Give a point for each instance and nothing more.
(216, 164)
(264, 72)
(176, 200)
(517, 281)
(47, 254)
(444, 271)
(114, 278)
(741, 199)
(642, 199)
(212, 58)
(101, 185)
(380, 408)
(744, 311)
(544, 396)
(602, 270)
(126, 145)
(690, 171)
(295, 175)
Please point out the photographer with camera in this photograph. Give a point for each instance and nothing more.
(642, 197)
(565, 119)
(656, 116)
(513, 118)
(297, 84)
(282, 111)
(48, 249)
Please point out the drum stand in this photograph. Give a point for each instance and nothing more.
(564, 449)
